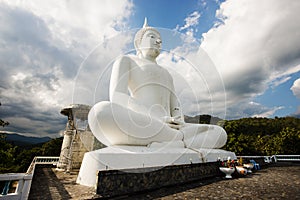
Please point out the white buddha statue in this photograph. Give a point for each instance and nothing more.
(143, 109)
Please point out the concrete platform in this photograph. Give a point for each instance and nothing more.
(48, 183)
(126, 158)
(272, 182)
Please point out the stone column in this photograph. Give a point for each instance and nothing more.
(65, 149)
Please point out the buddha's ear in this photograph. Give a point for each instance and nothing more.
(136, 45)
(137, 49)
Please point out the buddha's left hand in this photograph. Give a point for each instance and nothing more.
(174, 122)
(177, 120)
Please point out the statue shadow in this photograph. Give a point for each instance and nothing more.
(46, 185)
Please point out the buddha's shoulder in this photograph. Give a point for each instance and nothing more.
(123, 61)
(128, 58)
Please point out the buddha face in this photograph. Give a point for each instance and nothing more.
(150, 44)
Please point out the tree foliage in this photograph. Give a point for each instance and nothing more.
(18, 159)
(7, 155)
(263, 136)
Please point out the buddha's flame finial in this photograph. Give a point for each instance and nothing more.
(145, 23)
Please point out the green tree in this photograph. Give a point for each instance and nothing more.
(16, 159)
(25, 157)
(53, 147)
(263, 136)
(7, 155)
(287, 141)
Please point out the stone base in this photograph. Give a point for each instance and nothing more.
(112, 183)
(128, 158)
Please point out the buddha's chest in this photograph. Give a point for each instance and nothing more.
(149, 74)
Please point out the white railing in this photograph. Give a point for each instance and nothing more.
(46, 160)
(286, 158)
(276, 158)
(17, 185)
(23, 182)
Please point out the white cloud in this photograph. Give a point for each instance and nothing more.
(197, 81)
(248, 108)
(296, 88)
(254, 46)
(92, 79)
(190, 23)
(191, 20)
(267, 113)
(78, 24)
(43, 44)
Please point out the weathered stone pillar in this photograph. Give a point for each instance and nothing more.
(65, 149)
(78, 139)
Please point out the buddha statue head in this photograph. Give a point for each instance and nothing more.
(152, 45)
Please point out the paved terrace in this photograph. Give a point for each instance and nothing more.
(278, 181)
(51, 184)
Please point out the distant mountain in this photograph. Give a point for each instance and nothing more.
(296, 115)
(21, 140)
(202, 119)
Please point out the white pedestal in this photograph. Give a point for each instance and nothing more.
(227, 171)
(131, 157)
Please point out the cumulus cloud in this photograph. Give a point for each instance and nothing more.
(198, 84)
(78, 24)
(254, 46)
(42, 46)
(91, 83)
(296, 88)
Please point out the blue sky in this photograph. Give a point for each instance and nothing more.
(281, 96)
(158, 13)
(241, 58)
